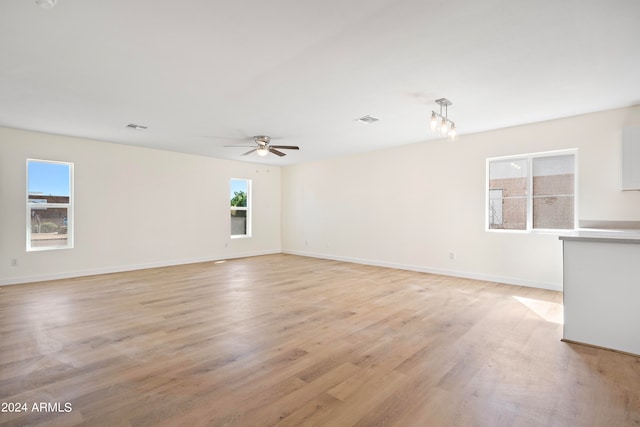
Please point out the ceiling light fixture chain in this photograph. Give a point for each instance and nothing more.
(441, 122)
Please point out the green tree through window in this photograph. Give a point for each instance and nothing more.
(239, 199)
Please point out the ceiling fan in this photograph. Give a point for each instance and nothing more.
(263, 147)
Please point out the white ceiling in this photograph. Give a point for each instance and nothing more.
(201, 73)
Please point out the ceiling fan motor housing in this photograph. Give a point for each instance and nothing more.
(262, 139)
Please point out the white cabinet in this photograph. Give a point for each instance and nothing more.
(602, 292)
(631, 158)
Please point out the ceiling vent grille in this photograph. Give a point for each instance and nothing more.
(136, 127)
(367, 119)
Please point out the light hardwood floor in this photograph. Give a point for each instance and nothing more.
(286, 340)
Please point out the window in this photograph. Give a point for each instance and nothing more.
(532, 192)
(240, 208)
(49, 205)
(508, 189)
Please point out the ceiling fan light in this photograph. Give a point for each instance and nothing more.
(262, 151)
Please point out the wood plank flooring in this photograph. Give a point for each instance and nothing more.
(282, 340)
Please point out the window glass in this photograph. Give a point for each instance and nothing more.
(551, 202)
(508, 188)
(49, 205)
(240, 207)
(553, 192)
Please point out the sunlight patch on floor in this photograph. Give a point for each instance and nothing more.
(549, 311)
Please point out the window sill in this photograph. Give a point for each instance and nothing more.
(49, 248)
(555, 232)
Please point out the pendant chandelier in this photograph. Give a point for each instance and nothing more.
(441, 123)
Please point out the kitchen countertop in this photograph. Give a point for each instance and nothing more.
(602, 235)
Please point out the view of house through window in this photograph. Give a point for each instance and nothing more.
(240, 208)
(49, 205)
(554, 192)
(508, 189)
(535, 191)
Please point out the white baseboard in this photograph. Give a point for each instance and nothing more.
(433, 270)
(123, 268)
(422, 269)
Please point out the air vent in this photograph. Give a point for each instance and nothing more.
(367, 119)
(136, 127)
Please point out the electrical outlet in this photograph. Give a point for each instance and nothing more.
(452, 255)
(14, 262)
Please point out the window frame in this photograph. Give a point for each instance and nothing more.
(530, 190)
(68, 206)
(248, 209)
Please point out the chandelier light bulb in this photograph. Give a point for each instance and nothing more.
(453, 132)
(445, 127)
(434, 121)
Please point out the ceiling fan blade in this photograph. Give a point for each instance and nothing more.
(240, 146)
(286, 147)
(250, 151)
(276, 152)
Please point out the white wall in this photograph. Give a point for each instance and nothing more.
(410, 207)
(405, 207)
(134, 207)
